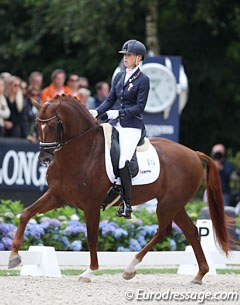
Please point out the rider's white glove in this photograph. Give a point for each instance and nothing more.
(112, 114)
(93, 112)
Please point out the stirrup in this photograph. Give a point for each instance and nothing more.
(125, 211)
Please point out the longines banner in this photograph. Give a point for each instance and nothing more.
(161, 114)
(19, 166)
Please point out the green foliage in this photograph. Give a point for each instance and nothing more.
(9, 211)
(84, 36)
(63, 227)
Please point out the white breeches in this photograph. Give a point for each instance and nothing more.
(128, 140)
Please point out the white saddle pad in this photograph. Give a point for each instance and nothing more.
(148, 161)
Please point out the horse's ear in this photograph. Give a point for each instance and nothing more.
(35, 103)
(56, 106)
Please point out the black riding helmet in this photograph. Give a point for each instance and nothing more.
(134, 46)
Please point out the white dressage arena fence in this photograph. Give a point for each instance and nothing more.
(45, 261)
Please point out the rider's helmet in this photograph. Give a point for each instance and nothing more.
(134, 46)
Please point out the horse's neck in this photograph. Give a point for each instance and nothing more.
(89, 144)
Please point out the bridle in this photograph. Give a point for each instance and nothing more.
(59, 137)
(58, 144)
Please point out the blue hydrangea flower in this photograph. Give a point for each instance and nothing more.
(4, 228)
(76, 245)
(65, 241)
(55, 223)
(122, 249)
(7, 242)
(238, 233)
(2, 246)
(108, 227)
(44, 224)
(176, 227)
(134, 245)
(149, 230)
(34, 230)
(75, 227)
(7, 229)
(142, 241)
(173, 244)
(120, 232)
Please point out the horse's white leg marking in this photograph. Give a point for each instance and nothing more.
(131, 267)
(86, 275)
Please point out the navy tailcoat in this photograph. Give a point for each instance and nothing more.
(131, 96)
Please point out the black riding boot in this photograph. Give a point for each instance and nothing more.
(126, 182)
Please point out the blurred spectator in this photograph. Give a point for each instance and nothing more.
(23, 87)
(4, 110)
(5, 76)
(35, 79)
(73, 84)
(28, 114)
(83, 82)
(15, 103)
(102, 91)
(56, 87)
(84, 97)
(225, 169)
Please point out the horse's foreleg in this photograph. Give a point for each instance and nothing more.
(92, 222)
(45, 203)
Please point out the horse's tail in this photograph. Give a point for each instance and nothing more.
(215, 202)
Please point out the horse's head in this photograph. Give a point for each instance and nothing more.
(50, 130)
(58, 122)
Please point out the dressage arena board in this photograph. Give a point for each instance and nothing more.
(113, 259)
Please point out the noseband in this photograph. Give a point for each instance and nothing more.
(60, 132)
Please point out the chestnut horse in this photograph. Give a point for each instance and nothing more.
(74, 143)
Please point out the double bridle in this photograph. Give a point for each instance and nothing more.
(58, 144)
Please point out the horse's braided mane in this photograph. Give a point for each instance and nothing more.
(76, 103)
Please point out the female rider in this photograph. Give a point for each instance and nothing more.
(130, 88)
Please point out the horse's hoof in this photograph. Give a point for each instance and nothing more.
(128, 275)
(196, 282)
(14, 262)
(84, 279)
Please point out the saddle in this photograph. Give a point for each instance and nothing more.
(115, 153)
(115, 192)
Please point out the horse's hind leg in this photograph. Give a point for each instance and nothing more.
(164, 229)
(190, 231)
(45, 203)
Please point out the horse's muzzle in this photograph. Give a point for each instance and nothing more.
(45, 158)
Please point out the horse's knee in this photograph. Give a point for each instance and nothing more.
(25, 216)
